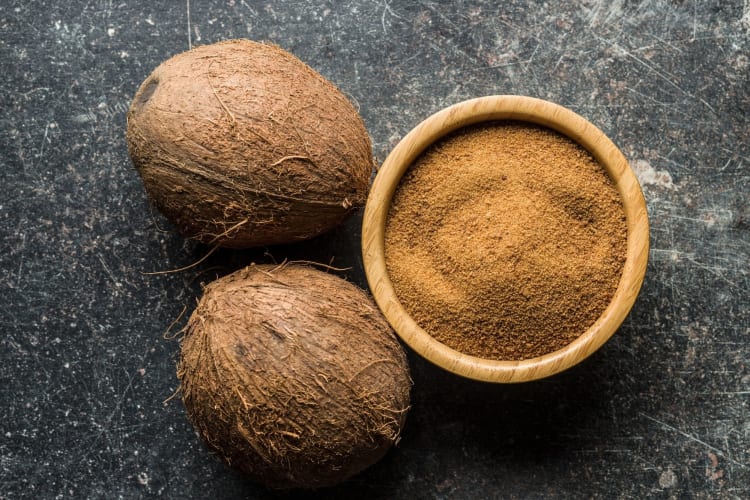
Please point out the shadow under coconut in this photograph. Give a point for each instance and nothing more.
(338, 249)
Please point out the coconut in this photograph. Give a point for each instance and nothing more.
(241, 144)
(293, 376)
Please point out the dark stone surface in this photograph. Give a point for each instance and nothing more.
(661, 410)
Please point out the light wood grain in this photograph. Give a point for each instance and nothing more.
(505, 108)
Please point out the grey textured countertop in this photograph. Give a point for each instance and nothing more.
(86, 375)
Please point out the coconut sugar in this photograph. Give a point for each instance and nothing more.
(505, 241)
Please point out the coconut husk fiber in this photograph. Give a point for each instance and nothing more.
(293, 376)
(241, 144)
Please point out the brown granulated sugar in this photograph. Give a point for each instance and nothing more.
(505, 241)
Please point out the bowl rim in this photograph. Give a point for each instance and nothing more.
(499, 108)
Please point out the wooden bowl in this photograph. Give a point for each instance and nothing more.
(524, 109)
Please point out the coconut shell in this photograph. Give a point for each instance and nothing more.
(293, 376)
(241, 144)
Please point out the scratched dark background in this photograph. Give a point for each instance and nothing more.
(661, 410)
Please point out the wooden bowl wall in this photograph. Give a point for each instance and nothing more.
(523, 109)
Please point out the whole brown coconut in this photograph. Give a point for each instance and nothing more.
(293, 376)
(241, 144)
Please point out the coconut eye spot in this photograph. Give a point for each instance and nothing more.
(148, 91)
